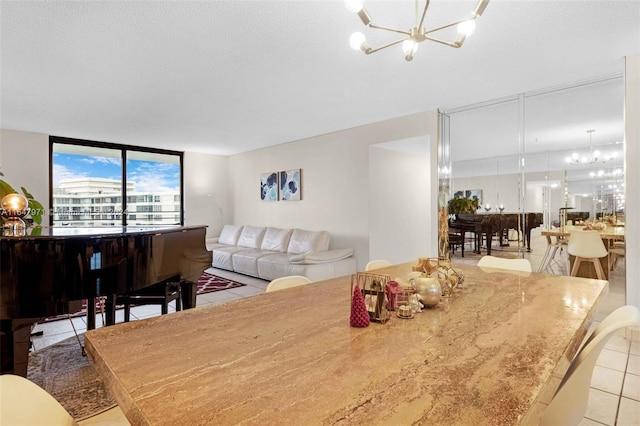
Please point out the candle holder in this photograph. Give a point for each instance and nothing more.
(501, 208)
(487, 207)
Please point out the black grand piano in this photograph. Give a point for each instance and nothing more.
(484, 226)
(46, 269)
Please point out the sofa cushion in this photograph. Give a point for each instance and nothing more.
(222, 256)
(276, 239)
(318, 257)
(274, 266)
(308, 241)
(251, 237)
(230, 234)
(246, 261)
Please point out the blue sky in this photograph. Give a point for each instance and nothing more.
(149, 176)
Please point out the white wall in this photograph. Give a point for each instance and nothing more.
(206, 191)
(507, 186)
(632, 175)
(335, 182)
(399, 190)
(24, 160)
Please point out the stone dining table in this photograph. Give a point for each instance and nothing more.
(493, 352)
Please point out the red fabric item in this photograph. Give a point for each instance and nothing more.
(359, 314)
(391, 288)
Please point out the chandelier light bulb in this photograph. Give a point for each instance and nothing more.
(418, 33)
(353, 5)
(467, 27)
(356, 40)
(409, 47)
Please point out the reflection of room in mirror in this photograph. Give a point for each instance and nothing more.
(523, 166)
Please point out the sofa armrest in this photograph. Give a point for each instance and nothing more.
(317, 257)
(211, 242)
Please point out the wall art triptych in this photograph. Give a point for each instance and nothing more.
(284, 185)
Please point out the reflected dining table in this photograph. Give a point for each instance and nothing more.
(493, 352)
(609, 235)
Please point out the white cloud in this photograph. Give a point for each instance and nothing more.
(156, 177)
(61, 172)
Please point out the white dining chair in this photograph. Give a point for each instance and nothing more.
(614, 317)
(24, 403)
(522, 265)
(569, 404)
(377, 264)
(587, 246)
(287, 282)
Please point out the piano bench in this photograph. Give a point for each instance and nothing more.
(161, 293)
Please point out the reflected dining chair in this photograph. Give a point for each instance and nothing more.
(522, 265)
(377, 264)
(287, 282)
(569, 404)
(587, 246)
(560, 244)
(615, 252)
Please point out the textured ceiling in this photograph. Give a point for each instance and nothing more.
(225, 77)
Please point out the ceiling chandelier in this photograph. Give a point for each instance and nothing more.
(592, 158)
(415, 35)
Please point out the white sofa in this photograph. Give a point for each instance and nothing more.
(270, 253)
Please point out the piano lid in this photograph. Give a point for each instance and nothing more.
(67, 232)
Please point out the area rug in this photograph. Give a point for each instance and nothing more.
(207, 283)
(71, 378)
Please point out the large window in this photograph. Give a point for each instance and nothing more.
(103, 184)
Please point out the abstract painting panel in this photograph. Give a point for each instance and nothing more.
(290, 185)
(269, 186)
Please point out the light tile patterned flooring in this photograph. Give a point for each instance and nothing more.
(615, 387)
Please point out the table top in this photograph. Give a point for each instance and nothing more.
(610, 232)
(492, 353)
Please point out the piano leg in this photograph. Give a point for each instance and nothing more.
(16, 339)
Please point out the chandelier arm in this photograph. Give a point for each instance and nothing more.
(448, 43)
(424, 13)
(389, 29)
(385, 46)
(447, 26)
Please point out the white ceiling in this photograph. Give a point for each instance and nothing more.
(225, 77)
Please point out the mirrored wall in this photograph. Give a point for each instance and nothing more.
(543, 151)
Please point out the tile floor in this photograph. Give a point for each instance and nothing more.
(615, 386)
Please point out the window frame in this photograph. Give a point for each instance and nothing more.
(124, 149)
